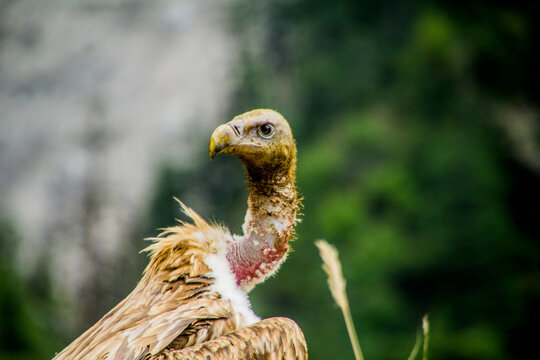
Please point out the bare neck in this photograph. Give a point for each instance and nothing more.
(268, 227)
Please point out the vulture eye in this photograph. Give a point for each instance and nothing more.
(266, 131)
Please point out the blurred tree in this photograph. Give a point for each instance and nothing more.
(403, 165)
(26, 326)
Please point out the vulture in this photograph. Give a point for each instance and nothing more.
(191, 302)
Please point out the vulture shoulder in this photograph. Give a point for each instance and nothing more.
(186, 296)
(283, 340)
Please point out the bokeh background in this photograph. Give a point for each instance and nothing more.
(417, 125)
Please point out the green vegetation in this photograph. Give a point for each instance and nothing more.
(405, 115)
(26, 326)
(403, 164)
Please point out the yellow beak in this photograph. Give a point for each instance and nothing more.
(220, 140)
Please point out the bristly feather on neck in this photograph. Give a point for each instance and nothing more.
(268, 226)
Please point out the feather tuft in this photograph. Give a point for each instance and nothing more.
(186, 238)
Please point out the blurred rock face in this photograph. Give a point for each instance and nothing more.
(93, 95)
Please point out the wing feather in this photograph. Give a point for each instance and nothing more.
(174, 303)
(274, 338)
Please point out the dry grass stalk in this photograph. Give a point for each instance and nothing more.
(421, 337)
(337, 284)
(425, 329)
(416, 347)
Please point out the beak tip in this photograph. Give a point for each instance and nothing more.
(212, 148)
(220, 140)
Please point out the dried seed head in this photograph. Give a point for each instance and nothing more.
(332, 266)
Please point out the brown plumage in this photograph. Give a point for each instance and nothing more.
(283, 339)
(192, 295)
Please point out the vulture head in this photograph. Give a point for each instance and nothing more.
(262, 140)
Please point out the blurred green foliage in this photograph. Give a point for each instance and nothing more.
(25, 312)
(402, 166)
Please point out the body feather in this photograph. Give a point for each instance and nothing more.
(175, 304)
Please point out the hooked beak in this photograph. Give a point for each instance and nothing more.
(222, 137)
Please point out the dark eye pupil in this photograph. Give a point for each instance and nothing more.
(266, 129)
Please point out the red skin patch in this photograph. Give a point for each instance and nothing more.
(257, 267)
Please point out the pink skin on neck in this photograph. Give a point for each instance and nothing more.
(268, 227)
(251, 265)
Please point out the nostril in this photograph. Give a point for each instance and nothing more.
(236, 127)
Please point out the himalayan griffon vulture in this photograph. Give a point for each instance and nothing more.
(191, 302)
